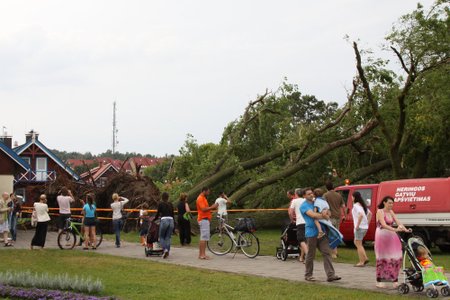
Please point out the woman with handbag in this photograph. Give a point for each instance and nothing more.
(41, 212)
(117, 207)
(184, 224)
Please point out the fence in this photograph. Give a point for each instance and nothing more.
(264, 217)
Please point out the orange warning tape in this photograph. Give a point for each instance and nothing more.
(28, 209)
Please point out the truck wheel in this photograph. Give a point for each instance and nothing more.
(423, 237)
(444, 248)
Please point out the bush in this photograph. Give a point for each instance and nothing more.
(58, 282)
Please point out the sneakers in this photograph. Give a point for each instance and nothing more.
(165, 254)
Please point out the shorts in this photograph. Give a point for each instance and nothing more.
(90, 222)
(62, 220)
(301, 233)
(204, 230)
(4, 227)
(336, 222)
(359, 234)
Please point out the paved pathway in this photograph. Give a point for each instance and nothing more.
(265, 266)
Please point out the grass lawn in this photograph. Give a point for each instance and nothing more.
(270, 239)
(129, 278)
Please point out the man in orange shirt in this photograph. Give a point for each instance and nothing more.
(204, 220)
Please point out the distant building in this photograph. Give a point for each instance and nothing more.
(100, 175)
(11, 165)
(44, 167)
(142, 162)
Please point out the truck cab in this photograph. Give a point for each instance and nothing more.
(369, 192)
(422, 204)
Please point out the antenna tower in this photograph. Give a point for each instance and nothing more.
(115, 130)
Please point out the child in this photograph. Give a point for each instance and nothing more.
(320, 205)
(144, 221)
(431, 273)
(222, 201)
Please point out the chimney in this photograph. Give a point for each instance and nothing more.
(7, 140)
(32, 135)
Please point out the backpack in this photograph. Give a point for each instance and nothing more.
(246, 225)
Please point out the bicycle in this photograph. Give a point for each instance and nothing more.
(67, 238)
(224, 239)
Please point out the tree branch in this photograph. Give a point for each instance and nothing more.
(401, 59)
(369, 94)
(287, 172)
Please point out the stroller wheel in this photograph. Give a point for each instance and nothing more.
(284, 254)
(403, 288)
(278, 253)
(445, 291)
(432, 293)
(417, 288)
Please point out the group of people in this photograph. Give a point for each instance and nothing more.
(316, 213)
(165, 213)
(10, 206)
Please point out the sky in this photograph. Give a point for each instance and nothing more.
(173, 67)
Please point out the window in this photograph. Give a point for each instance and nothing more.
(41, 169)
(366, 195)
(344, 194)
(21, 193)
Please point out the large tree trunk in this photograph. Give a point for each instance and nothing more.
(362, 173)
(289, 171)
(224, 174)
(420, 168)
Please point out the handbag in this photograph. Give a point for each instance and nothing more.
(124, 213)
(34, 219)
(187, 216)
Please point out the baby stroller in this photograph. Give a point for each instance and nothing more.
(152, 247)
(415, 274)
(288, 243)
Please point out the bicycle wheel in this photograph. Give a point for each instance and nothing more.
(220, 243)
(249, 244)
(66, 239)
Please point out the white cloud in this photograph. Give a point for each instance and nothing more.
(175, 67)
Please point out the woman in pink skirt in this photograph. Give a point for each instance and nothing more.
(388, 248)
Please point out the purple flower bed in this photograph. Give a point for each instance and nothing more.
(41, 294)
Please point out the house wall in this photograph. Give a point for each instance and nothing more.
(109, 173)
(6, 183)
(7, 165)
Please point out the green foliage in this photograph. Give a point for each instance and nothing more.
(160, 171)
(128, 278)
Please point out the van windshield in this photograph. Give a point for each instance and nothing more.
(344, 194)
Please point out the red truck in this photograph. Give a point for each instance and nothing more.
(421, 204)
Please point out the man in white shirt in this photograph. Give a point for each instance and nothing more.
(222, 201)
(294, 212)
(64, 200)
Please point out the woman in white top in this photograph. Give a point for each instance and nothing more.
(117, 207)
(41, 212)
(361, 218)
